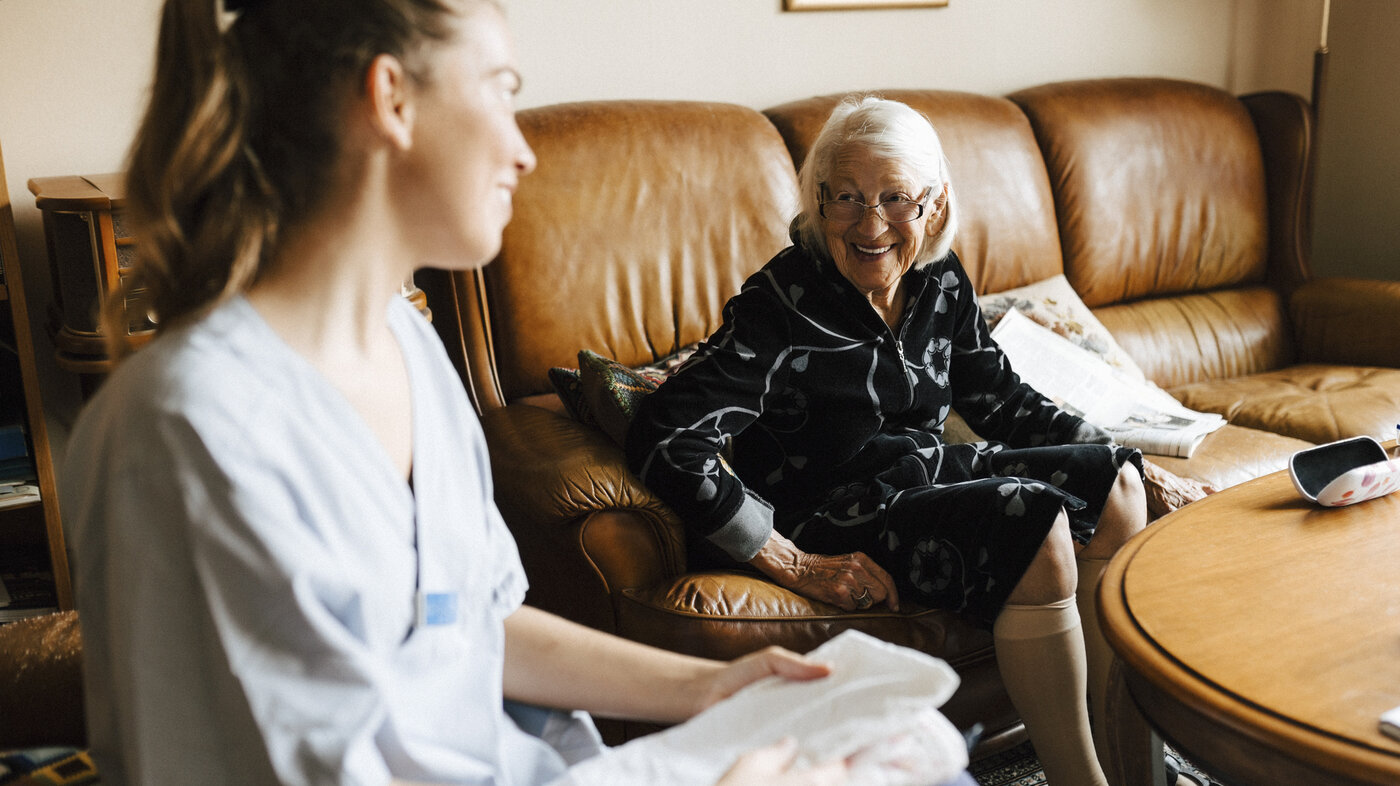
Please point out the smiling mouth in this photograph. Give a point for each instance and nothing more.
(872, 250)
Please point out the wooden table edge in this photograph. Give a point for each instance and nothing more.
(1146, 660)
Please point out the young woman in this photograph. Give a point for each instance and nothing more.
(289, 565)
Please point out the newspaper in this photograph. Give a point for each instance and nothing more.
(1139, 415)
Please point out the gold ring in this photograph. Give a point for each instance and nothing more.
(863, 600)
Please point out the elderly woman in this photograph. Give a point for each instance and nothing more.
(833, 375)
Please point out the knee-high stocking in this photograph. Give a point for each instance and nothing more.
(1040, 650)
(1097, 654)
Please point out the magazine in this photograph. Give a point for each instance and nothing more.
(1138, 415)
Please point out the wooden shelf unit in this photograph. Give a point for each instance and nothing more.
(39, 521)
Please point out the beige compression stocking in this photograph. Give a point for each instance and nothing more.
(1040, 650)
(1097, 654)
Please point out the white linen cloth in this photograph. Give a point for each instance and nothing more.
(879, 708)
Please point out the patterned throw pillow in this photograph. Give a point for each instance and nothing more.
(612, 392)
(605, 393)
(1054, 304)
(569, 387)
(568, 382)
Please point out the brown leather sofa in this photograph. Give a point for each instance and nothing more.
(1177, 212)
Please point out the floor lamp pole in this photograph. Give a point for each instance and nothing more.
(1319, 83)
(1319, 77)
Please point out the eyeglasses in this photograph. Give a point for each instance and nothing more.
(891, 211)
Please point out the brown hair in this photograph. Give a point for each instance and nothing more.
(243, 130)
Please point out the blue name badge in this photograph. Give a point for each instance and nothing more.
(437, 608)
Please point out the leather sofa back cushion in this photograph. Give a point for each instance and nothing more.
(1006, 233)
(1204, 336)
(640, 221)
(1159, 186)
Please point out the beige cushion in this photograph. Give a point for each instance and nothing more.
(1053, 303)
(1316, 403)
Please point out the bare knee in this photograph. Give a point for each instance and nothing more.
(1052, 574)
(1124, 515)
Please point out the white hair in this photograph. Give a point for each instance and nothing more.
(887, 128)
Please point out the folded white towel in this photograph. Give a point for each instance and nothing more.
(877, 709)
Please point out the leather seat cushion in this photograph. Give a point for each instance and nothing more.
(726, 614)
(1314, 402)
(1234, 454)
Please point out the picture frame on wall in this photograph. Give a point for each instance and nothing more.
(853, 5)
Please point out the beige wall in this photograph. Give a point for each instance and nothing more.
(751, 52)
(73, 73)
(1357, 219)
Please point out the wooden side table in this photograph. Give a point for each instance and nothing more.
(1260, 634)
(90, 254)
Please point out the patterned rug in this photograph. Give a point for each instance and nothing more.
(1012, 767)
(1018, 766)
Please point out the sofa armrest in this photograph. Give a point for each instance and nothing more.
(1348, 321)
(586, 527)
(1286, 140)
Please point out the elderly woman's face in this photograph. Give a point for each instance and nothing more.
(873, 254)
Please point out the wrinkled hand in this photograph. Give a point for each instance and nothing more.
(773, 766)
(851, 581)
(1167, 491)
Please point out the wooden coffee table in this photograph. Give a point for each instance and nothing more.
(1260, 634)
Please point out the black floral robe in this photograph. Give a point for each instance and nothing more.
(836, 426)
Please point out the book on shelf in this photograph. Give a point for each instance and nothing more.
(12, 494)
(16, 464)
(26, 583)
(13, 442)
(16, 471)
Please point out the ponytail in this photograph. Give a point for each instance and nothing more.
(199, 205)
(241, 135)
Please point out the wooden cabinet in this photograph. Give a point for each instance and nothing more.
(32, 524)
(91, 253)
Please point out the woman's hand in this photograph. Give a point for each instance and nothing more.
(767, 662)
(851, 581)
(773, 766)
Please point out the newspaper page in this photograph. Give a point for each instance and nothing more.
(1138, 415)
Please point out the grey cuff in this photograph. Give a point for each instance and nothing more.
(745, 533)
